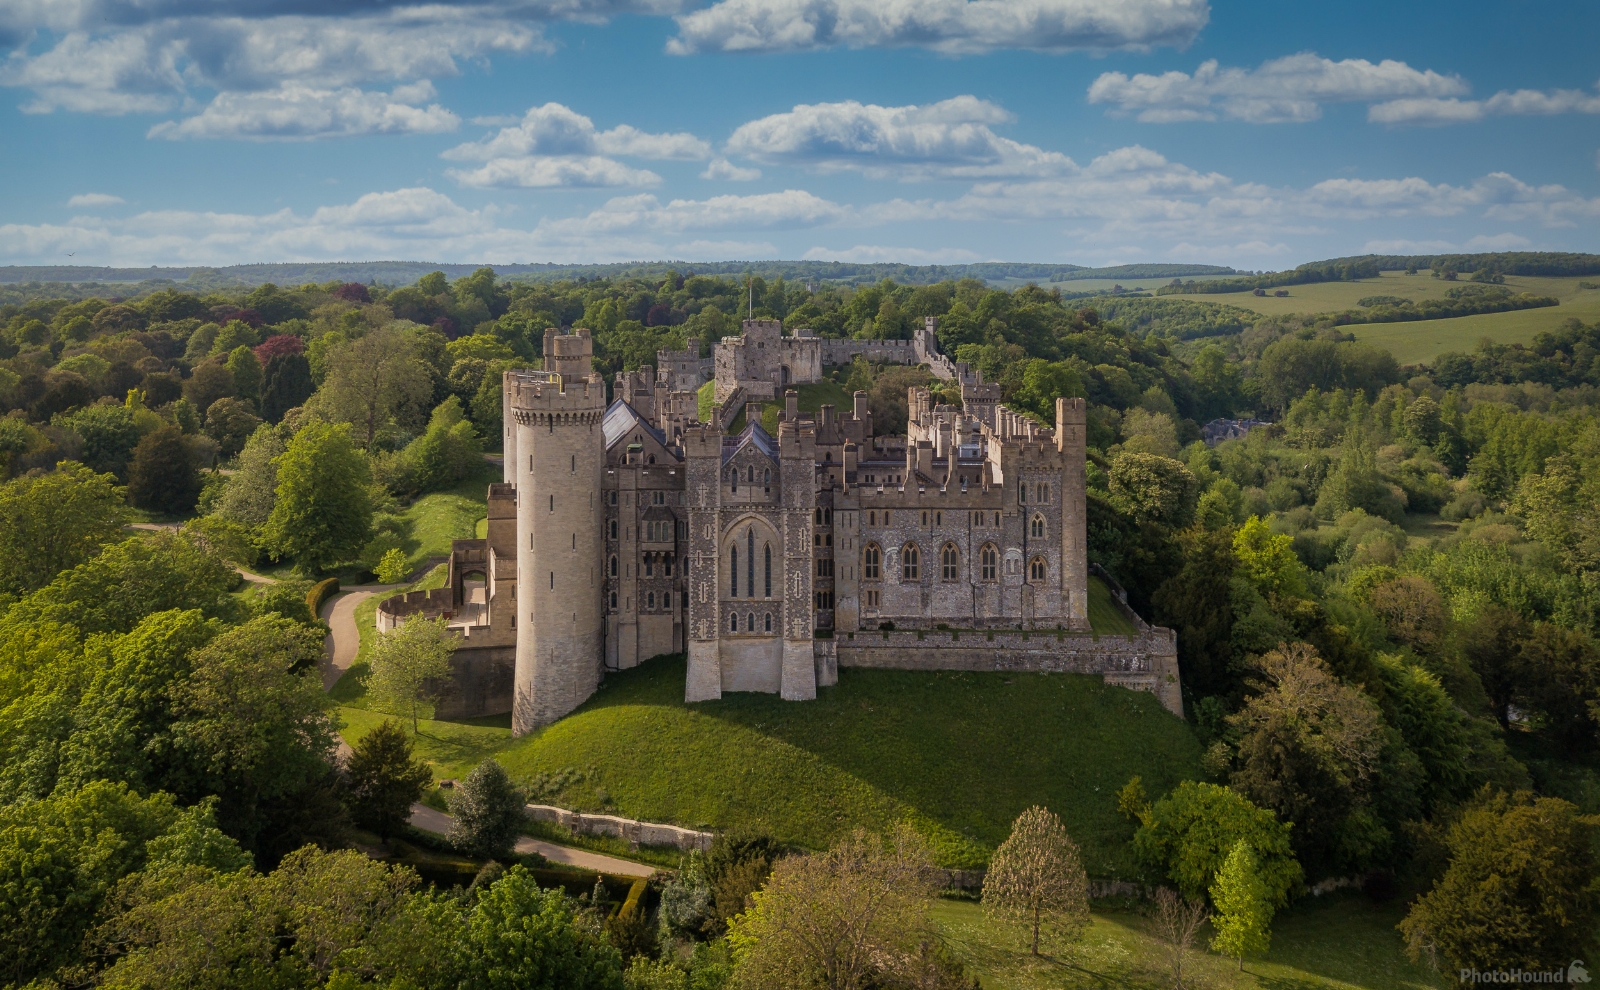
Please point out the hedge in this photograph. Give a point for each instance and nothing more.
(319, 595)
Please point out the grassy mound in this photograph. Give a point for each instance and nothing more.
(958, 754)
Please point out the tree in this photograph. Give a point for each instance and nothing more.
(408, 662)
(1243, 921)
(393, 566)
(253, 721)
(109, 435)
(521, 937)
(53, 522)
(1037, 879)
(1152, 488)
(447, 452)
(286, 384)
(209, 382)
(852, 917)
(1190, 832)
(488, 812)
(251, 491)
(163, 475)
(246, 372)
(1519, 892)
(322, 514)
(230, 423)
(384, 779)
(374, 380)
(1177, 922)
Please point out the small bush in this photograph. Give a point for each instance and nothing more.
(320, 593)
(393, 566)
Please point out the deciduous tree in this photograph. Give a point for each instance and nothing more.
(1036, 879)
(375, 379)
(408, 662)
(321, 513)
(1243, 921)
(163, 475)
(52, 522)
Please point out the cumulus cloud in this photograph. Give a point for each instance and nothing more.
(948, 139)
(1436, 112)
(870, 253)
(553, 146)
(1284, 90)
(725, 249)
(721, 168)
(954, 26)
(94, 199)
(135, 56)
(299, 113)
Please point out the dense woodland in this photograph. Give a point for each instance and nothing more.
(1387, 605)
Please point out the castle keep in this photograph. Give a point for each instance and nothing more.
(628, 529)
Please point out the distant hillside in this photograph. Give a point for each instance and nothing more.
(1549, 264)
(405, 272)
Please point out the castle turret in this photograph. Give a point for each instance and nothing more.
(560, 462)
(1071, 433)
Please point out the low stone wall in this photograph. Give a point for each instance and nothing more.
(429, 604)
(638, 833)
(1147, 661)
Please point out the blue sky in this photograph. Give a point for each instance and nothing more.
(1260, 135)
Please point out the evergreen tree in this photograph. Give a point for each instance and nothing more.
(488, 812)
(322, 514)
(286, 383)
(162, 476)
(384, 778)
(1243, 921)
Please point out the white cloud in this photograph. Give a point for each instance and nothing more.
(554, 172)
(1482, 242)
(948, 139)
(869, 253)
(299, 113)
(1289, 89)
(721, 168)
(1497, 196)
(1521, 102)
(955, 26)
(94, 199)
(555, 146)
(138, 56)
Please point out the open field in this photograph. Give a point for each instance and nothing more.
(958, 754)
(1422, 341)
(1339, 941)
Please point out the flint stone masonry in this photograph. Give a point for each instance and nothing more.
(627, 829)
(1144, 662)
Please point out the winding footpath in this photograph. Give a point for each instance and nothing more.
(343, 645)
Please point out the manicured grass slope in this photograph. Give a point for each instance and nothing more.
(959, 754)
(1338, 941)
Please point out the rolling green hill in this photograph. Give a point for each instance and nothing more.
(958, 754)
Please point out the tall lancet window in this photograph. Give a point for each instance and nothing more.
(734, 552)
(750, 562)
(767, 555)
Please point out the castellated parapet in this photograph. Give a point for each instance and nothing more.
(560, 460)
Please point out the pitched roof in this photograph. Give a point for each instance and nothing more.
(622, 419)
(752, 434)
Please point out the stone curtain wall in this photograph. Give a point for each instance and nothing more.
(1145, 662)
(626, 829)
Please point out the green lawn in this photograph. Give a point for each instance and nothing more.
(812, 398)
(1423, 340)
(1105, 617)
(1339, 941)
(959, 754)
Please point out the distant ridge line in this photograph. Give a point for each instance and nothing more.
(405, 272)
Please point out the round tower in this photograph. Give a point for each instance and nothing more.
(560, 460)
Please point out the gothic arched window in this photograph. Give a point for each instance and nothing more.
(910, 563)
(733, 622)
(733, 553)
(949, 562)
(750, 563)
(1036, 527)
(869, 562)
(769, 622)
(767, 554)
(1038, 570)
(989, 558)
(613, 565)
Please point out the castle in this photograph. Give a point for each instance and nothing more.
(628, 528)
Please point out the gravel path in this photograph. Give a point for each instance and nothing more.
(430, 820)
